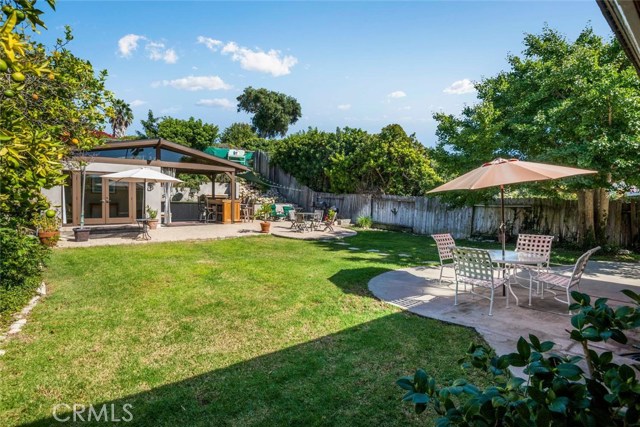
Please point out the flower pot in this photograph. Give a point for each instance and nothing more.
(49, 238)
(264, 227)
(81, 234)
(153, 223)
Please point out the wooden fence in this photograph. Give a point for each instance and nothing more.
(429, 215)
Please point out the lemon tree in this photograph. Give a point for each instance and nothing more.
(51, 103)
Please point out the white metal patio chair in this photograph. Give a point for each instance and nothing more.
(566, 279)
(534, 244)
(474, 267)
(444, 243)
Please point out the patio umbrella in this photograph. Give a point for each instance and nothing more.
(144, 175)
(501, 172)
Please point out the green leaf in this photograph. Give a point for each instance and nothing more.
(559, 404)
(523, 348)
(405, 383)
(569, 370)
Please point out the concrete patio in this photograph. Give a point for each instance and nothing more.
(416, 289)
(128, 236)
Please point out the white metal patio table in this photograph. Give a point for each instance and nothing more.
(518, 258)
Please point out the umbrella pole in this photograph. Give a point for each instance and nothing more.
(502, 225)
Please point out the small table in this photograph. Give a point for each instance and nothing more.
(143, 223)
(309, 216)
(517, 258)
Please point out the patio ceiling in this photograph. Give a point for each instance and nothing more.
(623, 17)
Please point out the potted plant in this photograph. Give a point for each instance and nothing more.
(48, 227)
(152, 218)
(264, 212)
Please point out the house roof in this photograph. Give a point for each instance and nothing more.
(623, 17)
(198, 161)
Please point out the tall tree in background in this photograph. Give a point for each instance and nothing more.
(273, 112)
(150, 126)
(191, 132)
(242, 135)
(120, 117)
(568, 103)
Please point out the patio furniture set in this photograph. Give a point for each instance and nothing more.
(479, 269)
(311, 221)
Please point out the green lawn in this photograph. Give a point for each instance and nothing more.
(241, 332)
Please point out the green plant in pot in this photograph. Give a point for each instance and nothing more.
(264, 213)
(48, 225)
(152, 218)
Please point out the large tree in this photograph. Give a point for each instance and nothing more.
(52, 102)
(242, 135)
(273, 112)
(354, 161)
(120, 117)
(571, 103)
(191, 132)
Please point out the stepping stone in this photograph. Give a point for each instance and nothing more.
(342, 243)
(383, 254)
(372, 250)
(354, 249)
(404, 255)
(16, 326)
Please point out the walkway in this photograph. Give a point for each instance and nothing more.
(416, 289)
(192, 232)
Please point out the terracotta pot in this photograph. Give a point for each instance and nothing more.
(153, 223)
(49, 238)
(264, 226)
(81, 234)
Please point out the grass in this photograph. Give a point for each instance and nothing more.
(251, 331)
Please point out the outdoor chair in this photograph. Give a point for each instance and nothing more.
(474, 267)
(291, 217)
(202, 209)
(211, 210)
(300, 224)
(317, 218)
(444, 243)
(275, 215)
(565, 278)
(535, 244)
(331, 219)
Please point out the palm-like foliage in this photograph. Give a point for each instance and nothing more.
(121, 118)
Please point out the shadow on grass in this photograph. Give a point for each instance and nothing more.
(342, 379)
(350, 281)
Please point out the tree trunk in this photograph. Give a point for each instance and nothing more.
(602, 215)
(586, 225)
(589, 220)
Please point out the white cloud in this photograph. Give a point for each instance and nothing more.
(460, 87)
(271, 62)
(129, 43)
(137, 102)
(211, 44)
(397, 94)
(194, 83)
(216, 102)
(157, 52)
(344, 107)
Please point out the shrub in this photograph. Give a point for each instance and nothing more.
(557, 392)
(364, 222)
(21, 260)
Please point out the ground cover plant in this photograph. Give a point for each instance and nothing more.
(250, 331)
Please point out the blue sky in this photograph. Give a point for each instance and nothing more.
(358, 64)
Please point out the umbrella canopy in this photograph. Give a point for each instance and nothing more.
(501, 172)
(504, 172)
(143, 175)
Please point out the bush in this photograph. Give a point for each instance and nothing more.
(21, 260)
(557, 391)
(364, 222)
